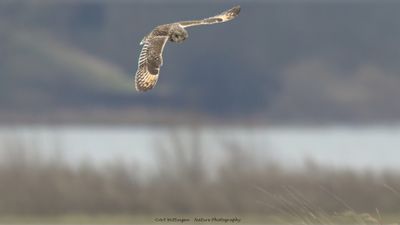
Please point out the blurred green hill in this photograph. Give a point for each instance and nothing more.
(309, 62)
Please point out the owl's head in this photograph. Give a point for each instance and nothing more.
(178, 34)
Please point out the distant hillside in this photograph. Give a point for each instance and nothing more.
(310, 62)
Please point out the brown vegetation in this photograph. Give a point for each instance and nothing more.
(33, 184)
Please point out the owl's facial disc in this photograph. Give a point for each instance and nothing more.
(178, 36)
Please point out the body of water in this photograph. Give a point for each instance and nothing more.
(374, 147)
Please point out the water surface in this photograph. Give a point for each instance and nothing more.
(375, 147)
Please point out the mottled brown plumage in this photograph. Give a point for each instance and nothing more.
(150, 59)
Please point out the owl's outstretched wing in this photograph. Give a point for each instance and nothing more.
(150, 61)
(220, 18)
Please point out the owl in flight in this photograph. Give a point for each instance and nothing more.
(150, 59)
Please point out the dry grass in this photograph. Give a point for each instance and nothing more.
(32, 185)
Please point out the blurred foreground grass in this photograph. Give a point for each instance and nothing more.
(349, 218)
(46, 190)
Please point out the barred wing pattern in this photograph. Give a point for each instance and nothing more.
(220, 18)
(150, 61)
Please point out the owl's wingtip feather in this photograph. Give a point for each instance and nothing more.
(142, 89)
(235, 10)
(231, 13)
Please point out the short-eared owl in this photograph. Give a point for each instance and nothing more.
(150, 59)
